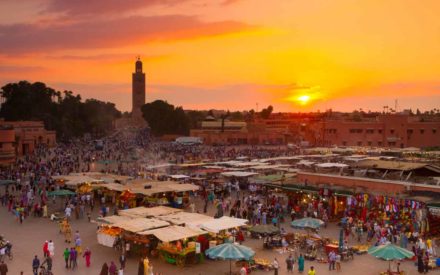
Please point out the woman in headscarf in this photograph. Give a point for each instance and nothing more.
(87, 255)
(112, 269)
(104, 269)
(300, 263)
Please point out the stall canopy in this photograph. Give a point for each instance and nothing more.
(331, 165)
(141, 224)
(75, 180)
(60, 193)
(186, 218)
(143, 212)
(179, 177)
(238, 174)
(114, 219)
(173, 233)
(223, 223)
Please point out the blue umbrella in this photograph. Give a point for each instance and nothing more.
(230, 251)
(306, 223)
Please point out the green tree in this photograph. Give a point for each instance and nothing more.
(163, 118)
(265, 113)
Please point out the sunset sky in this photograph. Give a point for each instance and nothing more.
(297, 55)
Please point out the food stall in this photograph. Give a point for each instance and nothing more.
(220, 229)
(175, 246)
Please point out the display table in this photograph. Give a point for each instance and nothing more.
(180, 258)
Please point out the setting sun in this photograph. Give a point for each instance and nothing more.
(304, 99)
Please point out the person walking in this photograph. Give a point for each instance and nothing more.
(112, 269)
(121, 271)
(72, 258)
(300, 263)
(46, 249)
(104, 269)
(275, 266)
(48, 261)
(122, 260)
(51, 248)
(312, 271)
(290, 261)
(3, 268)
(66, 255)
(331, 260)
(35, 265)
(87, 255)
(338, 262)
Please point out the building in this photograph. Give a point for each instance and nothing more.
(138, 90)
(136, 119)
(237, 133)
(19, 138)
(389, 130)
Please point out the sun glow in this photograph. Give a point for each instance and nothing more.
(303, 99)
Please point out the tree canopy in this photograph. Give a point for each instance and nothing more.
(63, 112)
(265, 113)
(163, 118)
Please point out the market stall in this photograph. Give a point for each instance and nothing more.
(175, 246)
(224, 229)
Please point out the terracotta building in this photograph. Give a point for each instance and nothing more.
(18, 138)
(391, 130)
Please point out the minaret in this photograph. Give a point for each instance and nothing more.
(138, 90)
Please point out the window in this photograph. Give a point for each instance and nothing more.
(370, 143)
(379, 131)
(422, 131)
(355, 131)
(409, 131)
(359, 143)
(392, 131)
(379, 143)
(369, 131)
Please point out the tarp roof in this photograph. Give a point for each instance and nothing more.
(178, 177)
(114, 219)
(395, 165)
(173, 233)
(182, 218)
(141, 224)
(74, 180)
(148, 211)
(223, 223)
(238, 174)
(331, 165)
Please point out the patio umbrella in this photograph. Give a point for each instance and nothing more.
(307, 223)
(389, 252)
(230, 251)
(265, 229)
(60, 193)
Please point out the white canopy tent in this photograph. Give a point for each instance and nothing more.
(173, 233)
(114, 219)
(185, 218)
(141, 224)
(143, 212)
(223, 223)
(331, 165)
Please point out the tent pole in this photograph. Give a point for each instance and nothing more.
(230, 267)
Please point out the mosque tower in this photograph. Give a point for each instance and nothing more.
(138, 90)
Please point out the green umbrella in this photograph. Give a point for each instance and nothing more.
(306, 223)
(389, 252)
(61, 192)
(230, 251)
(265, 229)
